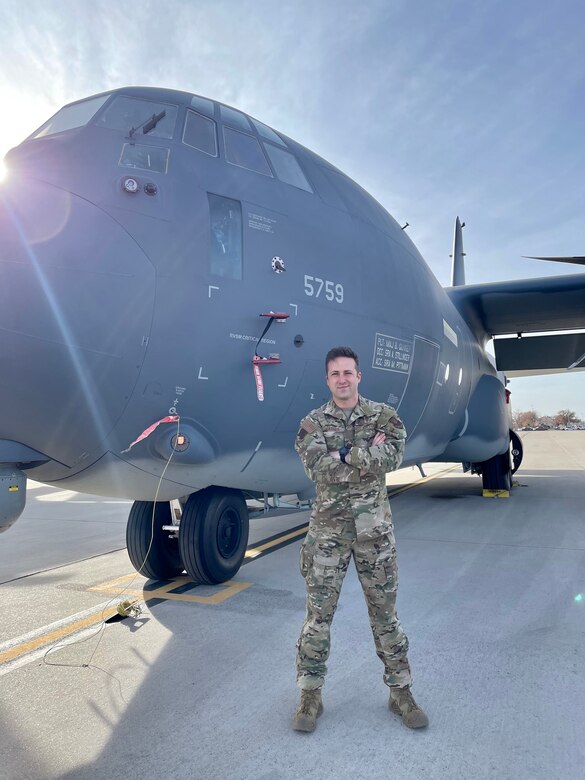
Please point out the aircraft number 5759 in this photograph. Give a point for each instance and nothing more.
(314, 287)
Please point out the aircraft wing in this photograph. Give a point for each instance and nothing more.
(525, 306)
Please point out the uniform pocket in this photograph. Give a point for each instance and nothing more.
(377, 561)
(391, 569)
(325, 570)
(305, 560)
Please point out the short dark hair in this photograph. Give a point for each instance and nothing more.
(338, 352)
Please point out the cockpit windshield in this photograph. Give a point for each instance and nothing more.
(70, 117)
(137, 117)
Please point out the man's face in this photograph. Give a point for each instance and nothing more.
(343, 380)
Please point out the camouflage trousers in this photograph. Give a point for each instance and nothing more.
(324, 563)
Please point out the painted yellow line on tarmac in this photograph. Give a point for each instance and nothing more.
(422, 481)
(56, 636)
(225, 590)
(252, 552)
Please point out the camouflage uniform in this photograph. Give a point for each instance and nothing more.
(351, 517)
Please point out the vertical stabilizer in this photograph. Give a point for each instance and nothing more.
(458, 267)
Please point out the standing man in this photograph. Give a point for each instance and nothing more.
(346, 447)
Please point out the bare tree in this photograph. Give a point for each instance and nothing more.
(566, 417)
(526, 419)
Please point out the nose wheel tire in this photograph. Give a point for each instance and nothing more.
(152, 553)
(213, 534)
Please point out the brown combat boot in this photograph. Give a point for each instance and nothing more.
(402, 703)
(311, 706)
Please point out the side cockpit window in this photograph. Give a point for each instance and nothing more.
(247, 143)
(203, 105)
(233, 118)
(268, 133)
(225, 256)
(138, 117)
(245, 150)
(70, 117)
(287, 168)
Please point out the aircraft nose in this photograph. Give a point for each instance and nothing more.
(76, 302)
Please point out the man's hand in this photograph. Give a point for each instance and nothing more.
(379, 438)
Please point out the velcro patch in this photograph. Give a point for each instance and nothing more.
(386, 416)
(308, 426)
(301, 434)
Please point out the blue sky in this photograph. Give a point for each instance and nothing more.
(474, 109)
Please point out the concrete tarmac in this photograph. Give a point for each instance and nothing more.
(201, 685)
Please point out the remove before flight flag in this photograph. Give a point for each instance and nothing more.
(149, 430)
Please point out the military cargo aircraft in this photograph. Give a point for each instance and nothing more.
(172, 273)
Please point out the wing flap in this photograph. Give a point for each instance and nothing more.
(534, 355)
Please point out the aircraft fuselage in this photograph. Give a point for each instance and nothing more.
(135, 268)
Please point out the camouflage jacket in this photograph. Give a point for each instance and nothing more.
(356, 488)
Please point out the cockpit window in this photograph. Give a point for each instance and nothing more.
(230, 116)
(267, 132)
(147, 158)
(287, 168)
(202, 104)
(200, 133)
(245, 151)
(141, 116)
(70, 117)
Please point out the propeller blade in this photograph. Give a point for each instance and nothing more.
(576, 260)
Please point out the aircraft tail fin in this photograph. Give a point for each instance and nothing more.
(458, 256)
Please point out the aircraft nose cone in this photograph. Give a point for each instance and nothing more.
(76, 301)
